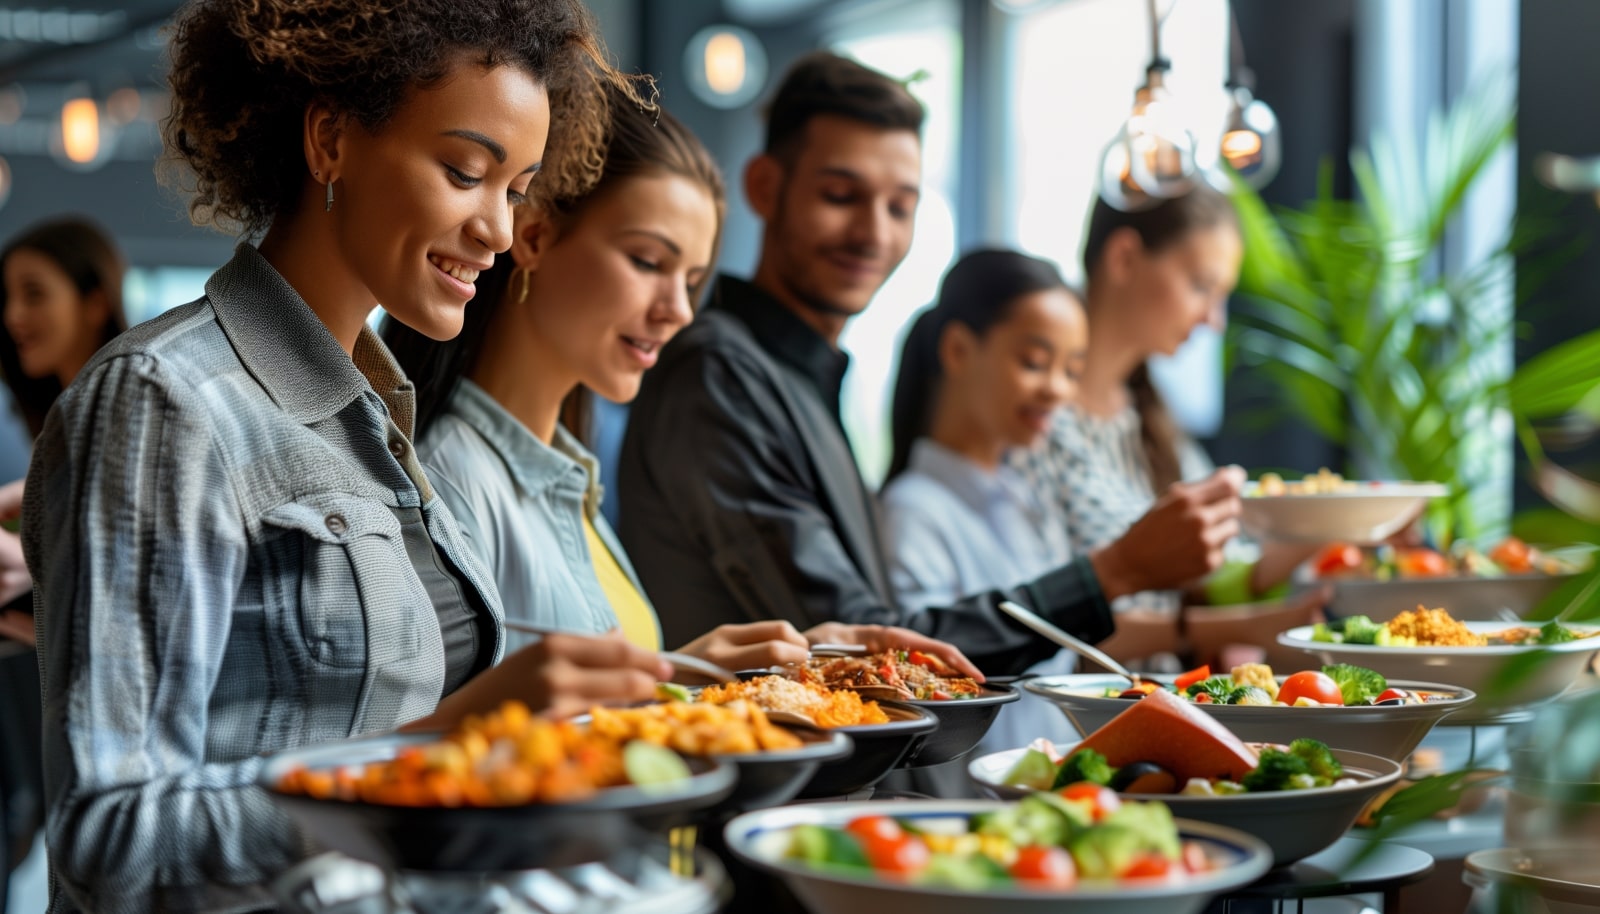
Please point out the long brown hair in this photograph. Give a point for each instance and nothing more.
(1164, 224)
(642, 139)
(87, 255)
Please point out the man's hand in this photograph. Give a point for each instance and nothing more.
(1177, 541)
(751, 645)
(889, 637)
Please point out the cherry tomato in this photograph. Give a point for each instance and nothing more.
(1049, 867)
(1198, 674)
(907, 854)
(1337, 559)
(929, 661)
(1388, 694)
(1195, 859)
(1202, 699)
(1318, 687)
(1422, 563)
(1147, 866)
(874, 828)
(1103, 801)
(1513, 556)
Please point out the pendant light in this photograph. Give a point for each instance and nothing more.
(1251, 144)
(1153, 155)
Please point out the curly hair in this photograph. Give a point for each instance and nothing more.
(244, 72)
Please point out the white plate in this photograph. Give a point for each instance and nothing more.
(761, 840)
(1365, 515)
(1468, 667)
(1294, 823)
(1390, 731)
(1566, 880)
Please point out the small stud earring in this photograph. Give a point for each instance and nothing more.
(327, 206)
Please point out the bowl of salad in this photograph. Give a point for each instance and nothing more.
(1431, 644)
(1477, 584)
(1037, 855)
(1298, 799)
(1324, 507)
(1346, 706)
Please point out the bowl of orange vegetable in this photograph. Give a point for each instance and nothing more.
(507, 791)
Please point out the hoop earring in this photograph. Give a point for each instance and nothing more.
(522, 287)
(327, 206)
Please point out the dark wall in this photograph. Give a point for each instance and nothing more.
(1559, 91)
(1302, 55)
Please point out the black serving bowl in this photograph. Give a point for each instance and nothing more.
(774, 777)
(485, 839)
(879, 749)
(962, 723)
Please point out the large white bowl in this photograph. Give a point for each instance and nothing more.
(1294, 823)
(1387, 731)
(1468, 667)
(1366, 515)
(761, 839)
(1566, 880)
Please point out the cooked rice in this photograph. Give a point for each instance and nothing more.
(1434, 628)
(775, 693)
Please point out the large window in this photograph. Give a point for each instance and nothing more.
(923, 38)
(1074, 72)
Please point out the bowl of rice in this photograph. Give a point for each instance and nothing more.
(1430, 645)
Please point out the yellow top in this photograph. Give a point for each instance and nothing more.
(634, 615)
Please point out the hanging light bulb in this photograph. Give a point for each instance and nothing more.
(1153, 156)
(82, 139)
(1251, 144)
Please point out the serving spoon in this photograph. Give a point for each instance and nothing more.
(1054, 633)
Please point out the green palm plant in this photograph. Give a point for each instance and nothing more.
(1404, 366)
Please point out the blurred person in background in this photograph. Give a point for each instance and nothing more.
(1153, 277)
(982, 372)
(63, 301)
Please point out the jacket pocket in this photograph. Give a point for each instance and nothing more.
(353, 570)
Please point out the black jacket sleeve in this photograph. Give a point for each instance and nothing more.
(725, 519)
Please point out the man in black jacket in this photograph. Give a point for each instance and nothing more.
(740, 497)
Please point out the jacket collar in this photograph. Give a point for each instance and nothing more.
(290, 351)
(784, 336)
(534, 466)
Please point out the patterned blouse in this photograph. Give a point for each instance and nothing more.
(1094, 469)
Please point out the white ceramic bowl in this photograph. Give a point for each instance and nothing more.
(1294, 823)
(1566, 880)
(1468, 667)
(1391, 731)
(1365, 515)
(761, 839)
(1470, 599)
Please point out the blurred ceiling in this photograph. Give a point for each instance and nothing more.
(104, 42)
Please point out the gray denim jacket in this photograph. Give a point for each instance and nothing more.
(219, 574)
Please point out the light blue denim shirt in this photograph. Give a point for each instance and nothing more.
(952, 527)
(220, 573)
(521, 505)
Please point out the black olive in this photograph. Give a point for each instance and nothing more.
(1143, 777)
(1390, 702)
(1131, 693)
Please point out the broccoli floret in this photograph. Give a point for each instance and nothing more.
(1252, 695)
(1554, 633)
(1083, 765)
(1274, 771)
(1357, 684)
(1319, 760)
(1321, 632)
(1362, 630)
(1222, 689)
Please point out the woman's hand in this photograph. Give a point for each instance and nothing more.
(889, 637)
(14, 578)
(751, 645)
(560, 676)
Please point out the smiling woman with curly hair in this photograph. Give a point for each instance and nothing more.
(236, 549)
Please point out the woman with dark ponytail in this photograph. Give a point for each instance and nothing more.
(982, 373)
(1152, 278)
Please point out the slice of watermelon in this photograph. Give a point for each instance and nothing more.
(1164, 729)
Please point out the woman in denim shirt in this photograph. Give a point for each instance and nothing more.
(594, 286)
(235, 547)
